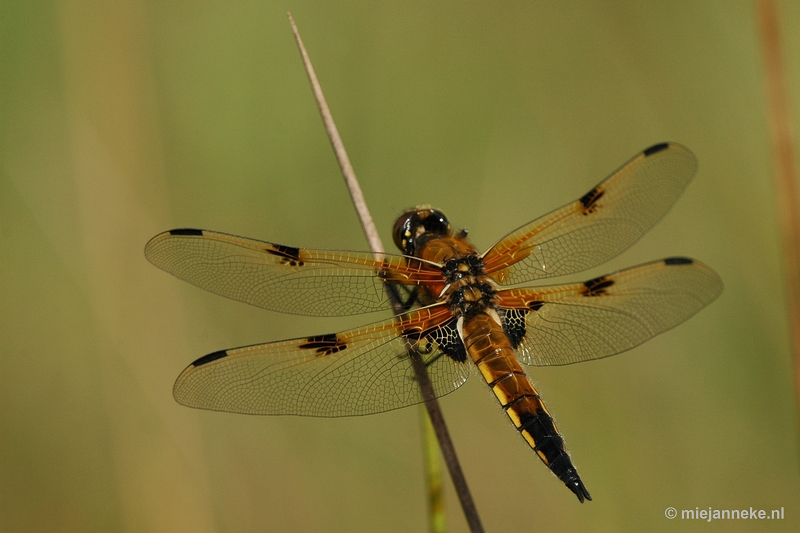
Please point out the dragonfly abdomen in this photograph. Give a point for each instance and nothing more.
(491, 351)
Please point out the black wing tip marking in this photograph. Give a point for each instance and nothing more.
(655, 149)
(678, 261)
(186, 231)
(210, 357)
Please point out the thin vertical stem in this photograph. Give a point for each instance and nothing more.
(785, 174)
(433, 474)
(371, 232)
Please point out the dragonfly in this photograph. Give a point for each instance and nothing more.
(462, 308)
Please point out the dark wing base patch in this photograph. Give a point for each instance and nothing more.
(445, 337)
(514, 325)
(449, 341)
(605, 315)
(357, 372)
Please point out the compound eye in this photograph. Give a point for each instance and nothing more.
(402, 232)
(435, 222)
(416, 223)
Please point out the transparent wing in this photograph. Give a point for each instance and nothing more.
(598, 226)
(281, 278)
(607, 315)
(357, 372)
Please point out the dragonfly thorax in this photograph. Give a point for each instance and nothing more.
(458, 267)
(470, 295)
(468, 290)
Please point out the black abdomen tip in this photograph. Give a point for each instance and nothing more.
(580, 491)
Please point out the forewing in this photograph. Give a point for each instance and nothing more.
(281, 278)
(598, 226)
(606, 315)
(357, 372)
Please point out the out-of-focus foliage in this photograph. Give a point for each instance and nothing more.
(118, 121)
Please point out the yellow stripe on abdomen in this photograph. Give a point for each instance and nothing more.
(491, 351)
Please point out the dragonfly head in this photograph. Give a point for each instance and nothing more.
(419, 223)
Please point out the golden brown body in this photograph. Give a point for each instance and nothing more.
(489, 348)
(473, 306)
(470, 294)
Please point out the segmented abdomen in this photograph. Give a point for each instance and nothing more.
(491, 351)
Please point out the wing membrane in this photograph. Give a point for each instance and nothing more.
(281, 278)
(610, 314)
(357, 372)
(599, 225)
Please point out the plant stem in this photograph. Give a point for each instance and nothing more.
(371, 232)
(779, 116)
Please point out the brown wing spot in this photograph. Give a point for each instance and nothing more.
(324, 344)
(597, 286)
(288, 254)
(589, 200)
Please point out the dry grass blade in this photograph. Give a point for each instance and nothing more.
(370, 231)
(785, 174)
(433, 473)
(431, 404)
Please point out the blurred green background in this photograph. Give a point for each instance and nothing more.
(121, 120)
